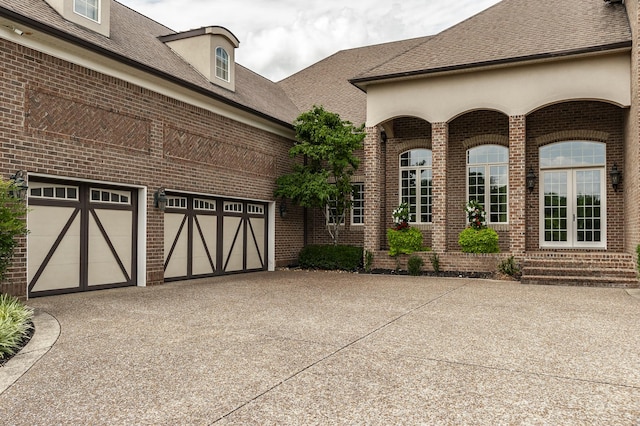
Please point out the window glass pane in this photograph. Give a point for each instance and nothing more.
(222, 64)
(488, 180)
(417, 193)
(357, 211)
(47, 192)
(485, 154)
(87, 8)
(573, 154)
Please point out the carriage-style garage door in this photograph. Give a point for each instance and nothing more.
(213, 236)
(82, 237)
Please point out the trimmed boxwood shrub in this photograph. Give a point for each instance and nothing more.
(479, 241)
(347, 258)
(404, 241)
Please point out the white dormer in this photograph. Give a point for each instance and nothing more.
(92, 14)
(210, 50)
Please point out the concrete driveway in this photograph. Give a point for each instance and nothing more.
(297, 347)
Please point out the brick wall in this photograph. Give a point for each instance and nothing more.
(583, 121)
(480, 127)
(631, 169)
(61, 119)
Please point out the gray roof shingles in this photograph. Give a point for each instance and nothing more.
(134, 37)
(514, 30)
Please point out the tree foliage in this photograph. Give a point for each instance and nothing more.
(327, 144)
(12, 223)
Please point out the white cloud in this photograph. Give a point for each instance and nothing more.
(280, 37)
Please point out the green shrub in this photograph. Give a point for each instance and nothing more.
(368, 260)
(347, 258)
(15, 324)
(479, 241)
(435, 262)
(509, 266)
(414, 265)
(405, 241)
(12, 224)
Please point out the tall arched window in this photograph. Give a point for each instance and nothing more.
(488, 180)
(416, 184)
(222, 64)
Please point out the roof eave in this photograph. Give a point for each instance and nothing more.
(133, 63)
(362, 82)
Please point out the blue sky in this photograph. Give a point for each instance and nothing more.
(281, 37)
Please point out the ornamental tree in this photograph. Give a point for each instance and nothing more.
(327, 144)
(12, 223)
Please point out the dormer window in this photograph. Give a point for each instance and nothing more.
(222, 64)
(88, 8)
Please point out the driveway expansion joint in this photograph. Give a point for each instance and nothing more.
(348, 345)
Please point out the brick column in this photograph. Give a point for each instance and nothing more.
(439, 146)
(373, 196)
(517, 184)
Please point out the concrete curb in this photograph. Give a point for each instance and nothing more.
(47, 331)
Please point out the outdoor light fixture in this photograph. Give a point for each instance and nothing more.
(19, 184)
(616, 177)
(283, 208)
(531, 181)
(383, 136)
(160, 199)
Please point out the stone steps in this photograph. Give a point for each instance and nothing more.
(580, 269)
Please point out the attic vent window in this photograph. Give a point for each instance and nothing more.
(222, 64)
(88, 8)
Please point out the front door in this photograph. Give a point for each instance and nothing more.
(573, 208)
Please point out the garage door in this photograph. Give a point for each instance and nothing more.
(208, 236)
(81, 237)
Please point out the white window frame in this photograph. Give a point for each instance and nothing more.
(418, 169)
(223, 71)
(361, 207)
(487, 183)
(89, 6)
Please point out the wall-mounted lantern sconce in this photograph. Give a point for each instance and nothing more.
(19, 184)
(616, 177)
(160, 199)
(283, 208)
(531, 181)
(383, 136)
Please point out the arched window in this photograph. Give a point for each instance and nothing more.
(222, 64)
(488, 180)
(416, 184)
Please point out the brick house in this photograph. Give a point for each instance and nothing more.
(151, 155)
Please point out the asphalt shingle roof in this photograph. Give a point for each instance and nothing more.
(134, 37)
(326, 82)
(514, 30)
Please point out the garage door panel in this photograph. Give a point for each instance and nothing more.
(176, 241)
(204, 244)
(233, 244)
(55, 267)
(45, 225)
(255, 243)
(105, 266)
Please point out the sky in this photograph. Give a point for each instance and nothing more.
(281, 37)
